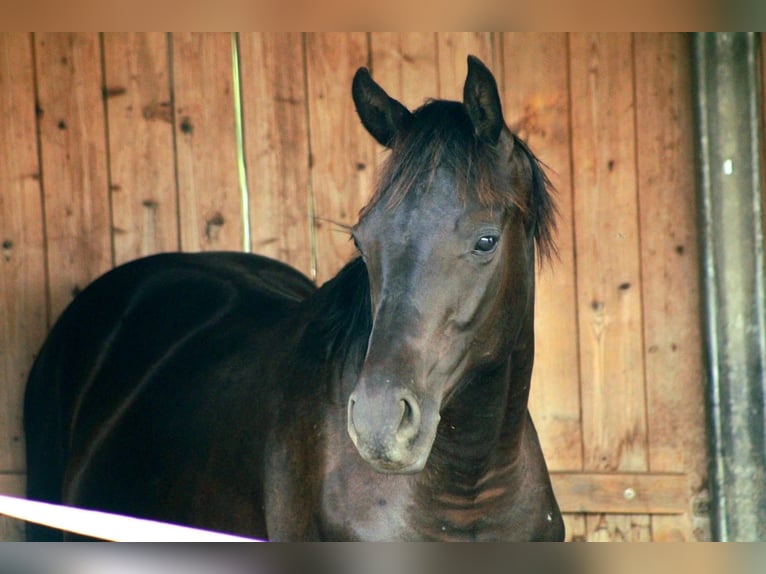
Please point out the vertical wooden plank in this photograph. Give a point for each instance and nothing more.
(23, 317)
(142, 160)
(608, 264)
(670, 268)
(608, 268)
(73, 149)
(454, 48)
(208, 186)
(342, 151)
(404, 63)
(536, 106)
(276, 145)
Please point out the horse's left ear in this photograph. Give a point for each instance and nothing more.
(482, 100)
(383, 116)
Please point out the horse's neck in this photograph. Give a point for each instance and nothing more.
(482, 432)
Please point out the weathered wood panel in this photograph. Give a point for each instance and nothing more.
(23, 317)
(342, 152)
(141, 153)
(536, 101)
(206, 152)
(670, 270)
(277, 146)
(621, 493)
(608, 272)
(74, 164)
(608, 249)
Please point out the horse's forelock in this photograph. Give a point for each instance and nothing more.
(438, 138)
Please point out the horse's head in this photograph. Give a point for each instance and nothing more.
(449, 242)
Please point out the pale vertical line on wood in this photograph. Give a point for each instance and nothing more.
(342, 160)
(23, 319)
(277, 153)
(239, 128)
(73, 152)
(670, 264)
(210, 203)
(536, 106)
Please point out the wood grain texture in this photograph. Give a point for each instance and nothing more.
(453, 49)
(405, 65)
(607, 243)
(142, 159)
(276, 145)
(342, 163)
(23, 316)
(620, 493)
(610, 318)
(206, 146)
(536, 106)
(670, 268)
(74, 164)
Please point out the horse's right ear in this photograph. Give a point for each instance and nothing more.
(381, 114)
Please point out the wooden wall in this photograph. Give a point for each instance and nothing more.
(115, 146)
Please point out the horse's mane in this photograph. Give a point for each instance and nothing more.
(343, 318)
(441, 135)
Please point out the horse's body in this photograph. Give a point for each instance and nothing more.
(224, 391)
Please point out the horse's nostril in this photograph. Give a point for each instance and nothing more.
(409, 425)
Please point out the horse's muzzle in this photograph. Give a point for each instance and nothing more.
(388, 431)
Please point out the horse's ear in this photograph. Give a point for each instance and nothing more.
(381, 114)
(482, 100)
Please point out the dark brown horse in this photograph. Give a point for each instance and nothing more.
(223, 390)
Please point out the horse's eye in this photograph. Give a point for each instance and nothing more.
(486, 244)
